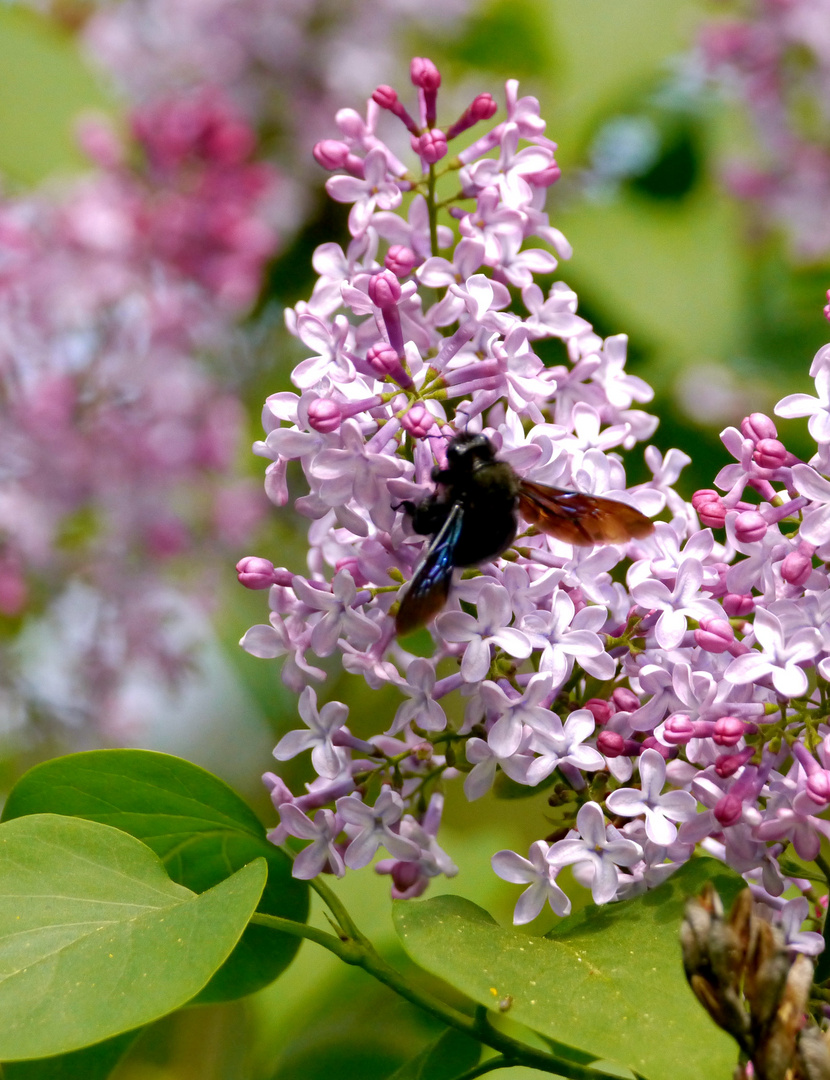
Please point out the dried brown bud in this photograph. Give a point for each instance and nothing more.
(744, 976)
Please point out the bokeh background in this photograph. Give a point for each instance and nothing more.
(693, 145)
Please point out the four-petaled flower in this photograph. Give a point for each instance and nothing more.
(601, 846)
(660, 810)
(539, 875)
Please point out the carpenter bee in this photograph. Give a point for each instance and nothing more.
(472, 517)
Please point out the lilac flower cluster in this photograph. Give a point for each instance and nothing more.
(684, 706)
(773, 57)
(116, 441)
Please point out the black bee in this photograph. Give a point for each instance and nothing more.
(472, 517)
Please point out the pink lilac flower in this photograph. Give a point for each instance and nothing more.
(683, 688)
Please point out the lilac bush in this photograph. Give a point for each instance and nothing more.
(117, 440)
(669, 692)
(772, 58)
(285, 66)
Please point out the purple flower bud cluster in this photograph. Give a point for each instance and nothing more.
(772, 57)
(667, 692)
(111, 291)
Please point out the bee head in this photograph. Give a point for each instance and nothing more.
(468, 449)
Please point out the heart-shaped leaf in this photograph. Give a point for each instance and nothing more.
(95, 939)
(195, 823)
(607, 980)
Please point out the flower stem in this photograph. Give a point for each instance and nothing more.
(433, 212)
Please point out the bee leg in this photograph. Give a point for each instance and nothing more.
(426, 517)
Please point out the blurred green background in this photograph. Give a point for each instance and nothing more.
(720, 323)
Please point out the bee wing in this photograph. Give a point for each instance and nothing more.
(580, 519)
(430, 585)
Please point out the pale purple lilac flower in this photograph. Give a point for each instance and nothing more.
(540, 877)
(601, 846)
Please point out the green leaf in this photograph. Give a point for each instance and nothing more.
(195, 823)
(450, 1055)
(607, 980)
(793, 867)
(95, 939)
(91, 1063)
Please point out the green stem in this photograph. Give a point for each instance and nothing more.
(822, 972)
(356, 949)
(338, 910)
(433, 212)
(824, 866)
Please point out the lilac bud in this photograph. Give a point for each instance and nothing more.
(727, 765)
(704, 495)
(827, 307)
(324, 415)
(383, 360)
(750, 527)
(405, 875)
(710, 508)
(330, 153)
(352, 564)
(729, 731)
(418, 421)
(384, 289)
(770, 454)
(600, 709)
(678, 730)
(654, 744)
(426, 76)
(545, 178)
(431, 146)
(481, 108)
(256, 573)
(385, 96)
(386, 364)
(714, 635)
(424, 73)
(818, 786)
(758, 426)
(738, 606)
(625, 700)
(277, 788)
(611, 744)
(400, 260)
(796, 568)
(728, 810)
